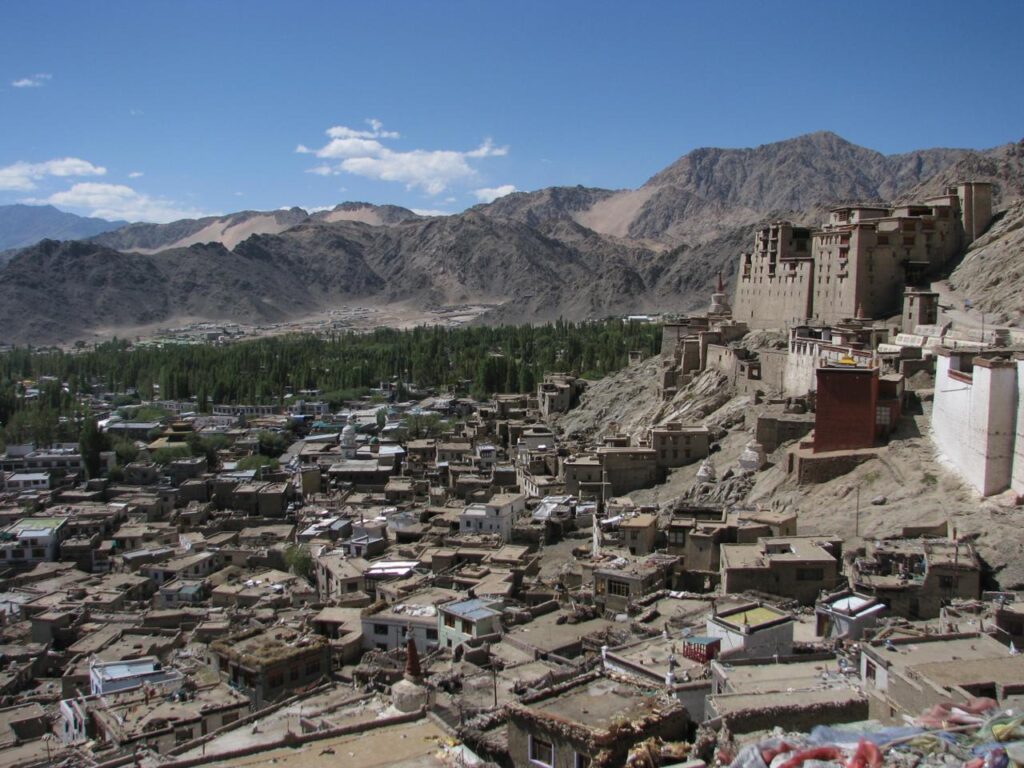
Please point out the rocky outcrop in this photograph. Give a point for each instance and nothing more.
(991, 273)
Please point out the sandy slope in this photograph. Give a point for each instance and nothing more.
(223, 231)
(613, 215)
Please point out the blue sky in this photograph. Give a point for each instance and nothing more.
(157, 110)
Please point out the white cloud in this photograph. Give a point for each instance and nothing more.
(490, 194)
(32, 81)
(376, 131)
(362, 153)
(23, 176)
(118, 201)
(349, 146)
(432, 171)
(135, 175)
(487, 149)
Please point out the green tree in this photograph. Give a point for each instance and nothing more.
(256, 462)
(43, 425)
(91, 443)
(208, 446)
(421, 425)
(125, 450)
(171, 453)
(271, 444)
(299, 561)
(151, 413)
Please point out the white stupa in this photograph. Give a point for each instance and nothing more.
(706, 473)
(719, 304)
(753, 457)
(348, 440)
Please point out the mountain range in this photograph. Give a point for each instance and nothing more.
(571, 252)
(24, 225)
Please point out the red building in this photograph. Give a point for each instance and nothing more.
(856, 408)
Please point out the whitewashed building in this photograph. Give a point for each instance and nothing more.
(33, 540)
(107, 677)
(978, 417)
(494, 516)
(753, 631)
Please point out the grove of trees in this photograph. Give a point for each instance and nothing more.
(479, 359)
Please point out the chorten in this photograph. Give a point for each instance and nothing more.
(753, 457)
(719, 304)
(409, 694)
(348, 439)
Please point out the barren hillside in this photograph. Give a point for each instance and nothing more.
(991, 274)
(913, 486)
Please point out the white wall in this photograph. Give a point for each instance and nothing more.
(951, 419)
(881, 674)
(764, 643)
(800, 376)
(1002, 425)
(1017, 475)
(974, 425)
(396, 629)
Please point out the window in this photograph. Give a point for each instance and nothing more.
(582, 761)
(449, 620)
(882, 415)
(380, 629)
(541, 752)
(870, 671)
(38, 553)
(312, 668)
(467, 627)
(618, 588)
(431, 634)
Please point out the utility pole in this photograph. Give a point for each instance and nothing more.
(856, 531)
